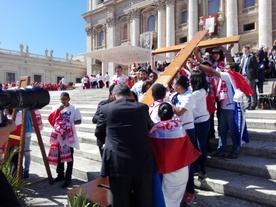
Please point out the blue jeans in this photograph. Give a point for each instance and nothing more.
(201, 134)
(27, 151)
(227, 123)
(190, 188)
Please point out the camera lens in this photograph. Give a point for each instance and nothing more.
(30, 97)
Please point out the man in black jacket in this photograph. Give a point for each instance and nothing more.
(100, 142)
(249, 69)
(128, 159)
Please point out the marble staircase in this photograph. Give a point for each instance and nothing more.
(251, 177)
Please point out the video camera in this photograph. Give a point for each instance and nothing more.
(30, 97)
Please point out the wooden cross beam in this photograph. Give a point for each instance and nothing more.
(184, 51)
(201, 44)
(171, 71)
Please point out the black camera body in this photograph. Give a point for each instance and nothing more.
(30, 97)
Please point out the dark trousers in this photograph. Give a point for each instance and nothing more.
(107, 84)
(100, 84)
(7, 196)
(69, 170)
(252, 100)
(134, 191)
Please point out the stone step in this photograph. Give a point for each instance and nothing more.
(246, 164)
(234, 184)
(261, 114)
(258, 123)
(239, 185)
(43, 194)
(251, 177)
(87, 150)
(84, 168)
(262, 134)
(84, 137)
(259, 148)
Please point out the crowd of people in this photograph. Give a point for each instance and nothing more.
(47, 86)
(151, 154)
(179, 121)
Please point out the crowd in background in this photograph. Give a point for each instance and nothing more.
(208, 84)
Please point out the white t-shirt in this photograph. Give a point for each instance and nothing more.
(73, 114)
(63, 81)
(137, 88)
(153, 110)
(187, 101)
(106, 77)
(119, 80)
(228, 103)
(200, 111)
(99, 77)
(84, 80)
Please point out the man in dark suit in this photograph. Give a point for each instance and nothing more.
(128, 159)
(101, 140)
(249, 69)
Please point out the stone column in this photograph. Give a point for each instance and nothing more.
(161, 21)
(89, 47)
(110, 42)
(89, 5)
(192, 18)
(135, 16)
(232, 27)
(170, 25)
(265, 23)
(94, 4)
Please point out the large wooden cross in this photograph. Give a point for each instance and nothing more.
(184, 51)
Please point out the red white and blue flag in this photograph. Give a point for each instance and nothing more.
(171, 145)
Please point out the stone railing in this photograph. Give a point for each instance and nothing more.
(37, 56)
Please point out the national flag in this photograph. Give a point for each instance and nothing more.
(171, 145)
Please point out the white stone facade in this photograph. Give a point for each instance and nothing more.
(111, 23)
(41, 68)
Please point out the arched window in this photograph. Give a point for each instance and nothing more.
(151, 23)
(213, 6)
(101, 39)
(249, 3)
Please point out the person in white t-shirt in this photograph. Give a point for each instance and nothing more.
(232, 119)
(63, 82)
(119, 77)
(106, 78)
(183, 103)
(64, 114)
(99, 80)
(137, 87)
(158, 95)
(201, 117)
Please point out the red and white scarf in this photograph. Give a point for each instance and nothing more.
(61, 136)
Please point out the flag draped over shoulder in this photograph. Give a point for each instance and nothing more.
(239, 85)
(171, 145)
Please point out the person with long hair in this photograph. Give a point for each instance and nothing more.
(183, 102)
(201, 117)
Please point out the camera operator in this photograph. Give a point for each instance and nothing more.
(7, 196)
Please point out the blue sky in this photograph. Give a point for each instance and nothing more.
(41, 24)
